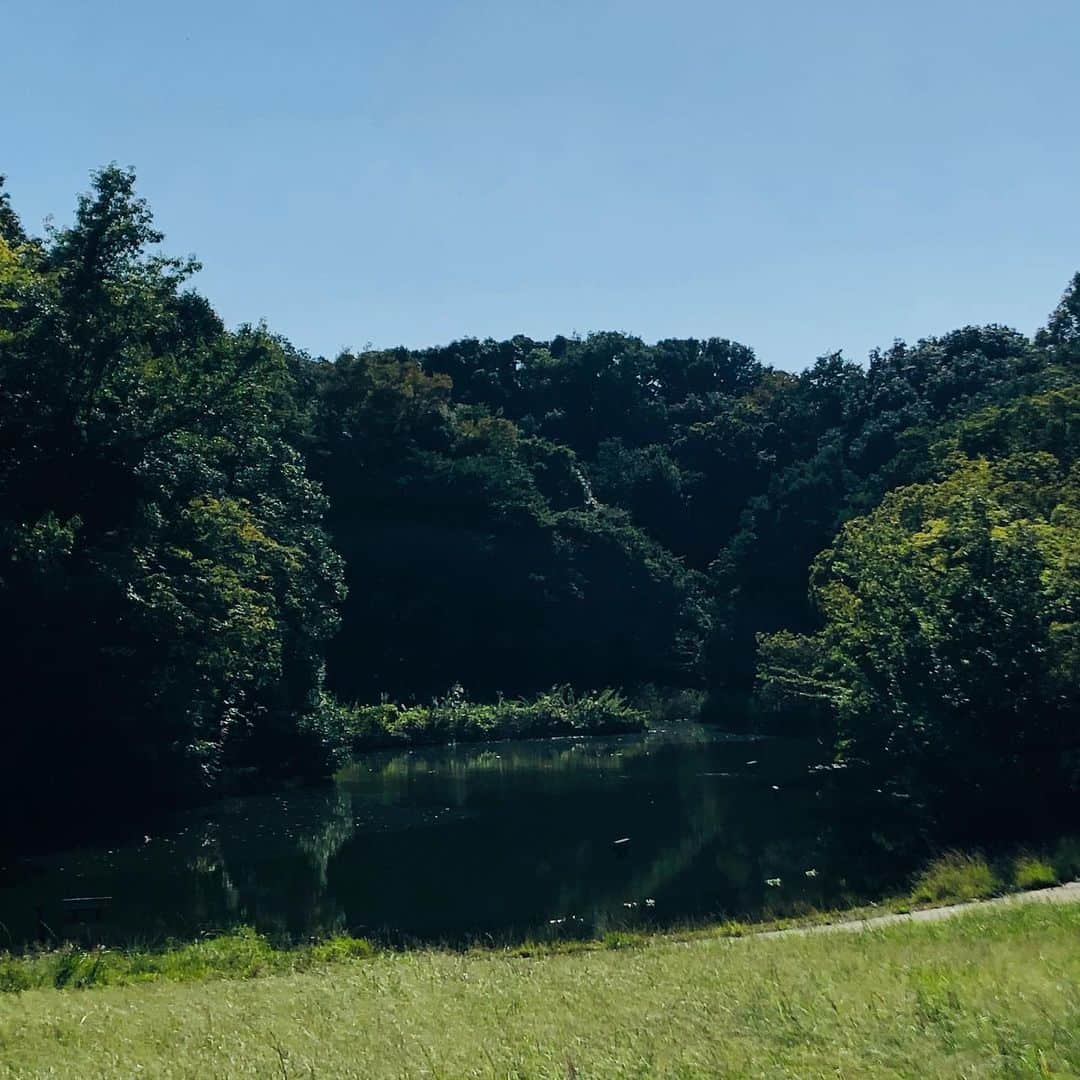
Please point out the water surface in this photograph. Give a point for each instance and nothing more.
(499, 840)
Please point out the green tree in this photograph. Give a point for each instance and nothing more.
(1061, 335)
(948, 654)
(477, 554)
(163, 552)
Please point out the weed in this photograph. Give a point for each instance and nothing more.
(955, 877)
(1032, 872)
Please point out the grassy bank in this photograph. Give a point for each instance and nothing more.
(242, 953)
(454, 718)
(994, 992)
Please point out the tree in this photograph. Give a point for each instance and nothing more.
(163, 551)
(479, 555)
(948, 654)
(1061, 335)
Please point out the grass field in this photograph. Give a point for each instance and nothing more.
(992, 992)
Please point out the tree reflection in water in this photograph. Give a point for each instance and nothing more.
(501, 841)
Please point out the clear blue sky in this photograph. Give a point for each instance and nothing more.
(799, 176)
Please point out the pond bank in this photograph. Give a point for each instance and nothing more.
(993, 990)
(243, 953)
(510, 842)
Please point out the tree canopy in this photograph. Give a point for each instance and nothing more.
(208, 537)
(164, 565)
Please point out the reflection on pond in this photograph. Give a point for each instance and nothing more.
(503, 839)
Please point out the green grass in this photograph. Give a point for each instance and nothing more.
(239, 954)
(955, 877)
(992, 992)
(1033, 872)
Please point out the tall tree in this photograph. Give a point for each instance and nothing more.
(163, 554)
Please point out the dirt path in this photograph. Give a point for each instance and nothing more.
(1059, 894)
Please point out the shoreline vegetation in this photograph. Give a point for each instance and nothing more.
(454, 718)
(244, 953)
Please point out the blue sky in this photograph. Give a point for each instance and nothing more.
(799, 176)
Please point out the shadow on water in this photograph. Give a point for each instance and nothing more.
(497, 841)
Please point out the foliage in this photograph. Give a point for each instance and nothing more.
(1066, 859)
(956, 877)
(478, 554)
(206, 536)
(453, 718)
(949, 656)
(1061, 335)
(665, 704)
(1033, 872)
(163, 554)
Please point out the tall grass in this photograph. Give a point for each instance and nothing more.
(995, 992)
(958, 876)
(238, 954)
(955, 877)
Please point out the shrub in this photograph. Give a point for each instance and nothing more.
(240, 953)
(668, 704)
(559, 711)
(955, 876)
(341, 948)
(14, 975)
(1032, 872)
(1066, 859)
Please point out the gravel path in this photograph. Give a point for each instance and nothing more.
(1059, 894)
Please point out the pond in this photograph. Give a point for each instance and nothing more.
(495, 841)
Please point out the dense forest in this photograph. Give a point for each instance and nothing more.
(215, 546)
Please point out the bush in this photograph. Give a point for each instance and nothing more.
(623, 939)
(1032, 872)
(666, 704)
(559, 711)
(1066, 859)
(955, 876)
(342, 948)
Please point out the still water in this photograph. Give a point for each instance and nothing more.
(500, 840)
